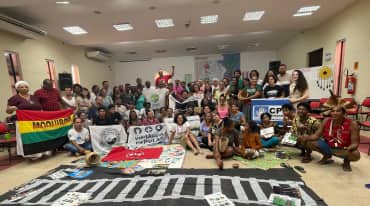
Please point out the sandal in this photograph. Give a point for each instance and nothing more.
(306, 159)
(325, 161)
(300, 169)
(285, 165)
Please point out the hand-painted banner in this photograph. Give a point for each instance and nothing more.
(39, 131)
(140, 136)
(156, 97)
(272, 106)
(103, 138)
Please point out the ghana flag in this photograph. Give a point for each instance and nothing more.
(39, 131)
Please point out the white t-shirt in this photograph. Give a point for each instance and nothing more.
(70, 102)
(180, 131)
(79, 137)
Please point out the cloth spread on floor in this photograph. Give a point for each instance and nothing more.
(122, 153)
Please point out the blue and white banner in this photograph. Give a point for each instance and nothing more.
(272, 106)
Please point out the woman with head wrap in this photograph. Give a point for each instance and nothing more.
(22, 100)
(25, 101)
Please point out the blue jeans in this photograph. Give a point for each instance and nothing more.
(69, 146)
(271, 142)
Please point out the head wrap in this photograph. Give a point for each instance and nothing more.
(21, 82)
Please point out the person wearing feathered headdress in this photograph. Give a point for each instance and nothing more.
(338, 135)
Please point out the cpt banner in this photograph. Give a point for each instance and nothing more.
(272, 106)
(39, 131)
(103, 138)
(147, 135)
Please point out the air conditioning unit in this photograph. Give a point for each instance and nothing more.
(15, 26)
(98, 55)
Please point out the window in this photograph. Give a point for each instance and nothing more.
(51, 71)
(75, 74)
(14, 68)
(315, 58)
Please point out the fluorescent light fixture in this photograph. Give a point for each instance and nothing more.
(253, 15)
(303, 14)
(164, 23)
(123, 27)
(209, 19)
(308, 9)
(62, 2)
(75, 30)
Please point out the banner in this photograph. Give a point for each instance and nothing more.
(175, 104)
(156, 97)
(40, 131)
(272, 106)
(103, 138)
(147, 135)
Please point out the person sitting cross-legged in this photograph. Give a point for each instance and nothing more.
(269, 131)
(226, 142)
(251, 143)
(340, 138)
(79, 138)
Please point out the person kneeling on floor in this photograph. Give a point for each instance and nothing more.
(251, 144)
(226, 142)
(340, 138)
(79, 138)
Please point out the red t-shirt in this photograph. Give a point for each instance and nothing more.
(338, 136)
(50, 100)
(164, 78)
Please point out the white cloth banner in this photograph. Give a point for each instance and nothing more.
(156, 97)
(103, 138)
(140, 136)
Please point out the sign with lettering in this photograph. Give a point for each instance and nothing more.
(271, 106)
(140, 136)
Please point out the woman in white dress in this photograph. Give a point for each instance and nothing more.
(181, 134)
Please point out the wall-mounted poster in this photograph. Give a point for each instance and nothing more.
(216, 66)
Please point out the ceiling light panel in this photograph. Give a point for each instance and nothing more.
(211, 19)
(164, 23)
(303, 14)
(253, 15)
(308, 9)
(75, 30)
(123, 27)
(62, 2)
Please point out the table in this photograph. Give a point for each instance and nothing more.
(8, 143)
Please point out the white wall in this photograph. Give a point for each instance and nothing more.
(352, 24)
(32, 55)
(128, 71)
(258, 60)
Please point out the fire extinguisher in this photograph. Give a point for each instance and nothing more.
(346, 81)
(351, 84)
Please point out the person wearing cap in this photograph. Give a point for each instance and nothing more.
(22, 100)
(340, 137)
(164, 77)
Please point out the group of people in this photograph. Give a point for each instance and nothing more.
(224, 108)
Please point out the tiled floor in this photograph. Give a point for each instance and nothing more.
(329, 182)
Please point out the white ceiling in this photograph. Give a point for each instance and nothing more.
(273, 30)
